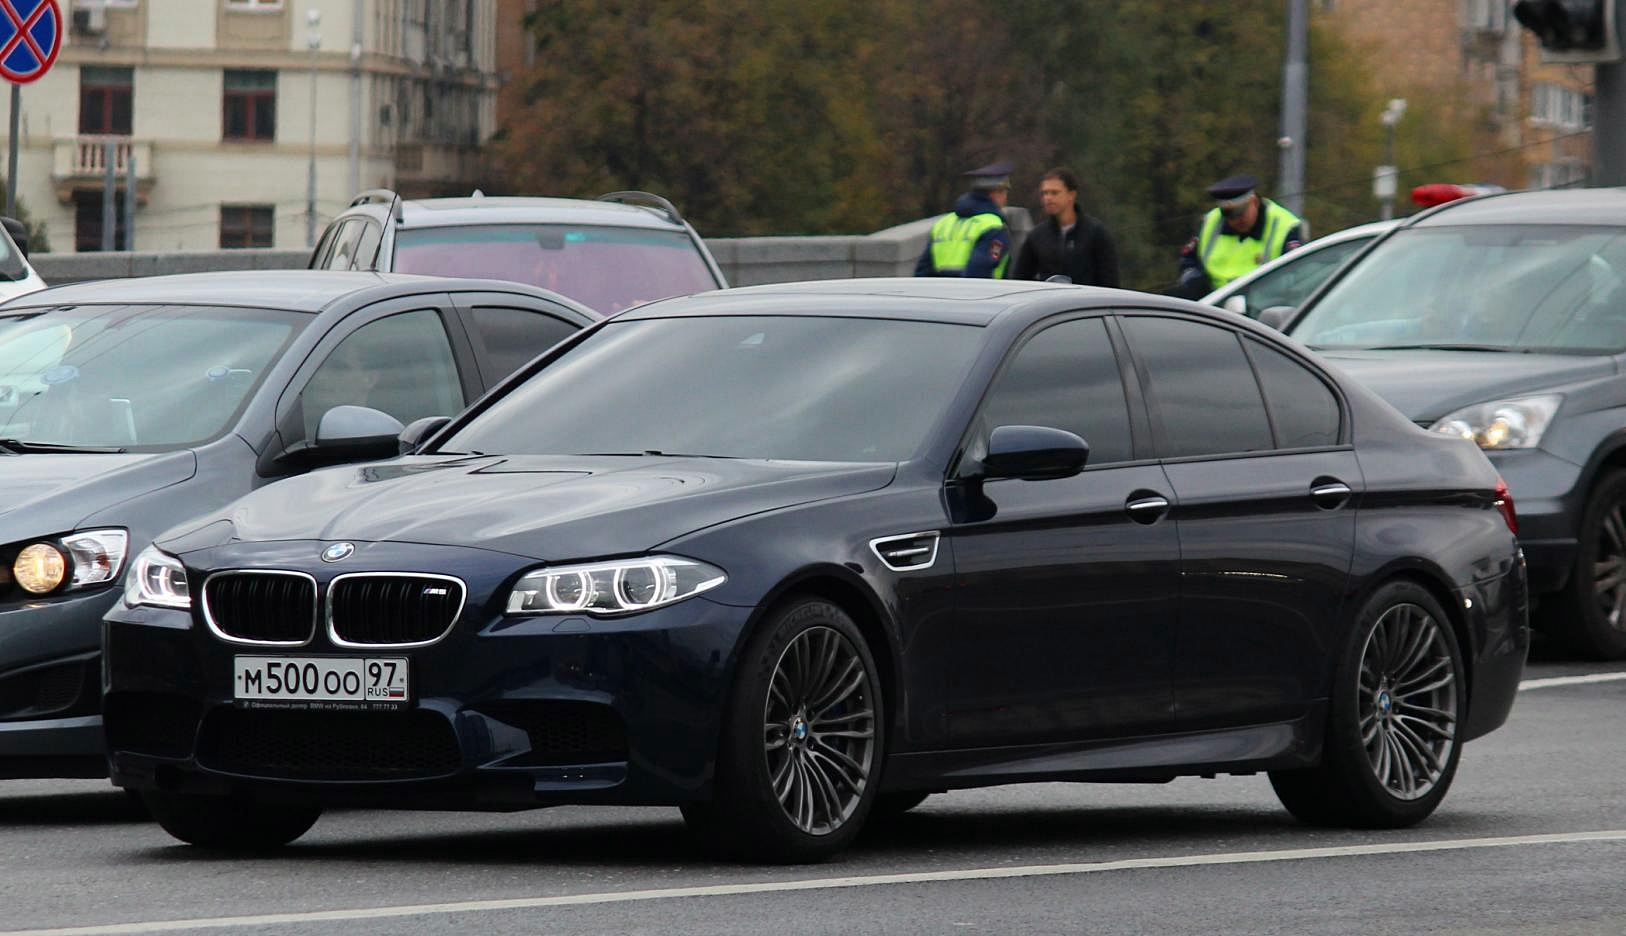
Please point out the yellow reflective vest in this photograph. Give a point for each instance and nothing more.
(953, 238)
(1227, 257)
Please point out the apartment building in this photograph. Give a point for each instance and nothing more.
(1532, 121)
(220, 109)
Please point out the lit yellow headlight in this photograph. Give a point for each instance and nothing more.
(40, 568)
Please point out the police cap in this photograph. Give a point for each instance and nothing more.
(996, 175)
(1235, 189)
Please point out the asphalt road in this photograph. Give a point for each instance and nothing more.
(1531, 840)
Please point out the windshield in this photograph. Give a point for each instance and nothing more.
(1503, 287)
(133, 376)
(781, 387)
(607, 269)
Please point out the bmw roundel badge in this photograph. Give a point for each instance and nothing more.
(338, 551)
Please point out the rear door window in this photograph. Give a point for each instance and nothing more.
(1201, 387)
(512, 336)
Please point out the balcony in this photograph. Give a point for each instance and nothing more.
(79, 164)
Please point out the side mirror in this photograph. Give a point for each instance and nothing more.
(1237, 303)
(357, 433)
(18, 232)
(417, 431)
(1276, 316)
(1034, 453)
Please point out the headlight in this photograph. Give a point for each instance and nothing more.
(78, 560)
(1504, 424)
(98, 555)
(612, 587)
(157, 579)
(39, 568)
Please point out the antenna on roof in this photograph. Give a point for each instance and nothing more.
(478, 194)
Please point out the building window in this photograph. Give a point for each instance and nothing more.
(1560, 173)
(249, 105)
(1558, 106)
(1487, 15)
(87, 221)
(247, 226)
(104, 100)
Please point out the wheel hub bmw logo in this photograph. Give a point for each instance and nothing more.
(1385, 703)
(798, 730)
(338, 551)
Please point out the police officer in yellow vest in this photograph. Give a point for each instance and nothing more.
(972, 240)
(1242, 232)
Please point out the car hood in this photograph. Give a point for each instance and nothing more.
(1427, 384)
(48, 493)
(544, 507)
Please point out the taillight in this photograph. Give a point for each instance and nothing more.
(1504, 503)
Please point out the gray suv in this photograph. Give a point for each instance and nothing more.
(1502, 319)
(610, 253)
(128, 405)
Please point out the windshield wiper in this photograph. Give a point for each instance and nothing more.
(19, 447)
(1445, 347)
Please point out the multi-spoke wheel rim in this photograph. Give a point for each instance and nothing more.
(819, 730)
(1408, 701)
(1609, 566)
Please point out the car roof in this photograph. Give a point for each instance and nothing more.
(1368, 230)
(481, 209)
(936, 299)
(1590, 206)
(290, 290)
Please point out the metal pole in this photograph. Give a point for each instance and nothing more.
(1295, 98)
(1387, 210)
(358, 27)
(110, 181)
(1609, 113)
(11, 161)
(129, 201)
(314, 40)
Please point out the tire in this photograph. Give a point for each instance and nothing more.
(229, 823)
(803, 741)
(1393, 726)
(1589, 614)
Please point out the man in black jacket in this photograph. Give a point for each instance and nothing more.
(1069, 242)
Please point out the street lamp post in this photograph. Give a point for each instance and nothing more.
(313, 40)
(1385, 180)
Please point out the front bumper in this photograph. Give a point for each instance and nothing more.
(1548, 495)
(50, 699)
(505, 713)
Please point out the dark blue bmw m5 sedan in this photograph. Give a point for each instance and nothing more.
(791, 557)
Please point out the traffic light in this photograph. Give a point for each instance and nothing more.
(1581, 31)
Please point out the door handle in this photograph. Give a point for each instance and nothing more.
(1146, 507)
(1329, 493)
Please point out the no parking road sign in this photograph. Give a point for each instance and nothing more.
(30, 37)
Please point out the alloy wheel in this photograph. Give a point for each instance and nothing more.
(1407, 701)
(819, 730)
(1609, 567)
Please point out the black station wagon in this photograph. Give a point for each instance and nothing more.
(790, 556)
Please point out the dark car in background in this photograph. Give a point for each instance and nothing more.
(127, 406)
(792, 555)
(1502, 319)
(609, 253)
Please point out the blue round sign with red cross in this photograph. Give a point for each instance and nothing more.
(30, 37)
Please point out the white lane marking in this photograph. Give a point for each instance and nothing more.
(735, 890)
(1570, 680)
